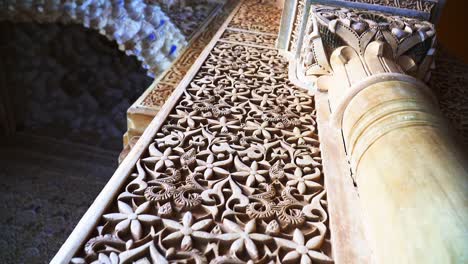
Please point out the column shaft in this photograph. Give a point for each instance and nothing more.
(411, 177)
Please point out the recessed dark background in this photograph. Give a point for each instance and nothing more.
(452, 31)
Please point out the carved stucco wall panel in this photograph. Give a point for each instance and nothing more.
(257, 18)
(188, 17)
(159, 95)
(267, 26)
(140, 114)
(267, 40)
(233, 174)
(265, 32)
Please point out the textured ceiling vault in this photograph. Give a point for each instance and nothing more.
(141, 28)
(68, 82)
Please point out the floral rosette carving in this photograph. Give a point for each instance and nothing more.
(233, 175)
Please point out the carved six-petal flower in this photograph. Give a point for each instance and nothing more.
(223, 125)
(210, 166)
(243, 238)
(262, 129)
(301, 137)
(302, 182)
(187, 230)
(184, 117)
(160, 158)
(304, 251)
(252, 173)
(127, 217)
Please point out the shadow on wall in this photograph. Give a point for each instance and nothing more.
(139, 27)
(449, 82)
(69, 89)
(69, 82)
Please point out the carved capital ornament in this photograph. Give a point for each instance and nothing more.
(340, 40)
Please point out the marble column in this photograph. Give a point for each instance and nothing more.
(411, 176)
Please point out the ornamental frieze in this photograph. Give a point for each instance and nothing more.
(296, 28)
(420, 5)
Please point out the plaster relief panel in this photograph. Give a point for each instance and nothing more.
(233, 174)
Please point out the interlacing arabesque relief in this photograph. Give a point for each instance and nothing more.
(190, 16)
(254, 16)
(267, 40)
(385, 43)
(158, 96)
(300, 5)
(234, 175)
(267, 23)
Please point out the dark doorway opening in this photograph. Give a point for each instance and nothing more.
(68, 89)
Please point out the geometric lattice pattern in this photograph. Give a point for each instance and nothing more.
(233, 174)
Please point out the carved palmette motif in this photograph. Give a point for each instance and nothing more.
(384, 43)
(234, 174)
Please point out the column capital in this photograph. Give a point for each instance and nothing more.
(339, 41)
